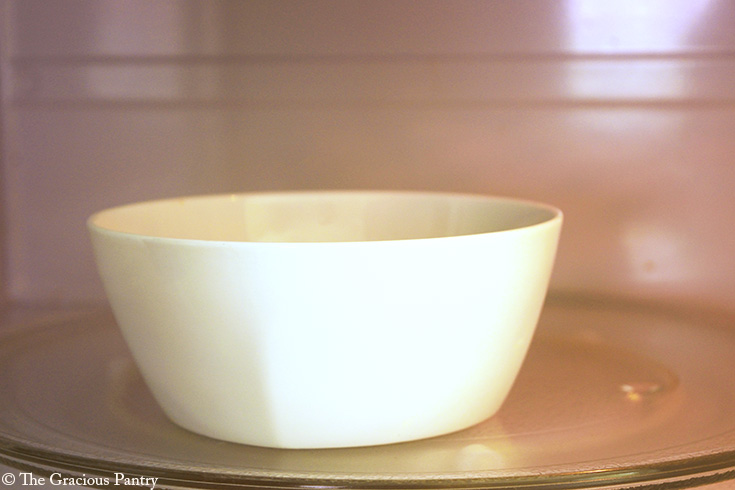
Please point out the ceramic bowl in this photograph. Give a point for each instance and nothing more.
(327, 319)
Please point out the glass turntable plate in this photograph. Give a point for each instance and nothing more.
(616, 394)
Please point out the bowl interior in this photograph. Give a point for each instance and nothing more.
(322, 216)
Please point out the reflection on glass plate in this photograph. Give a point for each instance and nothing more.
(610, 394)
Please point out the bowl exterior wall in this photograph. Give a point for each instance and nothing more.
(328, 344)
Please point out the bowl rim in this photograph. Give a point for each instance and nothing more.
(555, 218)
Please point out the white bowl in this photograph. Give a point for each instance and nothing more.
(327, 319)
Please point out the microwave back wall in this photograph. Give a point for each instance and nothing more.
(620, 113)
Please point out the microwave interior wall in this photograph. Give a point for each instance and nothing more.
(620, 113)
